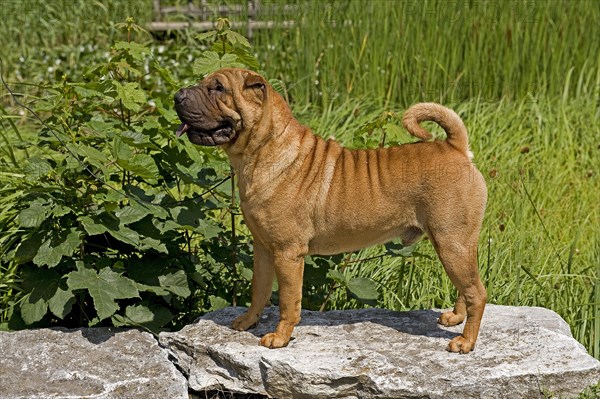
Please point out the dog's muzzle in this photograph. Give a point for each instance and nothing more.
(198, 122)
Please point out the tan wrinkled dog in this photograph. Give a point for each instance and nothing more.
(303, 195)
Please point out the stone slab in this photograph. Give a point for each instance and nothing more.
(374, 353)
(98, 363)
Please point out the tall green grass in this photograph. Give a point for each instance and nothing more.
(399, 52)
(45, 39)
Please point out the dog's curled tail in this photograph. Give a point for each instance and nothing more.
(445, 117)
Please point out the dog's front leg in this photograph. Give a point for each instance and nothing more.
(262, 285)
(289, 268)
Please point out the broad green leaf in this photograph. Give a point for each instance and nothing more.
(153, 289)
(222, 48)
(248, 60)
(131, 214)
(231, 61)
(91, 226)
(73, 164)
(88, 152)
(111, 196)
(156, 210)
(399, 249)
(100, 125)
(131, 97)
(176, 283)
(95, 90)
(364, 290)
(137, 51)
(47, 254)
(137, 139)
(152, 317)
(71, 243)
(126, 235)
(104, 287)
(83, 92)
(396, 132)
(151, 124)
(36, 168)
(35, 215)
(58, 245)
(205, 35)
(120, 150)
(41, 284)
(337, 276)
(409, 251)
(246, 274)
(133, 238)
(33, 310)
(169, 225)
(62, 302)
(29, 248)
(187, 215)
(217, 303)
(96, 70)
(148, 200)
(208, 228)
(235, 38)
(207, 63)
(245, 55)
(60, 210)
(210, 62)
(142, 165)
(151, 243)
(91, 155)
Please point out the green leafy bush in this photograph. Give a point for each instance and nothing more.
(118, 221)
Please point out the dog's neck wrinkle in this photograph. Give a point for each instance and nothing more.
(253, 145)
(266, 164)
(262, 162)
(252, 142)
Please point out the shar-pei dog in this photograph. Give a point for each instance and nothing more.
(302, 195)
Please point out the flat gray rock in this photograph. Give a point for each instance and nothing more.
(374, 353)
(86, 363)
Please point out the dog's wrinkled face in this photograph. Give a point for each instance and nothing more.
(198, 109)
(209, 111)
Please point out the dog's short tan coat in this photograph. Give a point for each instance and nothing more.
(301, 194)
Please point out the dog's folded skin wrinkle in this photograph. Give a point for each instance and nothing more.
(301, 194)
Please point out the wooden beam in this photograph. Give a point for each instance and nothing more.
(158, 26)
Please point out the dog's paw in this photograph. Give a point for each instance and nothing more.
(274, 340)
(245, 321)
(451, 319)
(460, 345)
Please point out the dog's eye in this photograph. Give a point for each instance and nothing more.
(219, 87)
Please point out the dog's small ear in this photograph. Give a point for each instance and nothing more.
(255, 81)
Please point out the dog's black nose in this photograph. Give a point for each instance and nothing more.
(180, 96)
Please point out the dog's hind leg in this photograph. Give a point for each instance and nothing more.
(460, 263)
